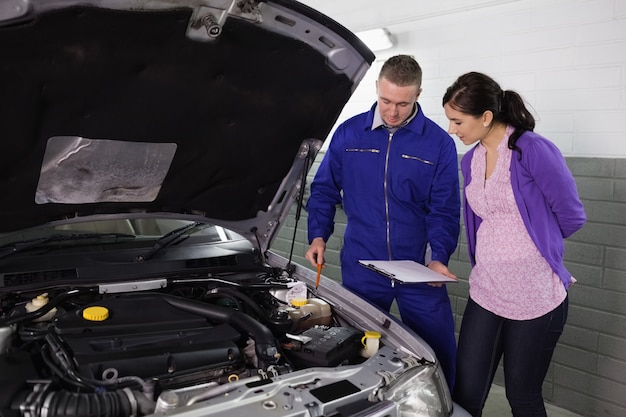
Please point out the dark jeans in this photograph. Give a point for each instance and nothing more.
(527, 347)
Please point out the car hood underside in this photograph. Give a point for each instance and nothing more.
(178, 107)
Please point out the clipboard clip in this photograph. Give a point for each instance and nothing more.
(380, 271)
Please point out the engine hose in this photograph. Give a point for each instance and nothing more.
(249, 302)
(238, 298)
(120, 403)
(265, 345)
(67, 376)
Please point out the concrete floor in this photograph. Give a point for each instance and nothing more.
(498, 406)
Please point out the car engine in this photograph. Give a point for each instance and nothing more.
(85, 351)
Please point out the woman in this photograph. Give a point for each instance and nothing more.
(520, 203)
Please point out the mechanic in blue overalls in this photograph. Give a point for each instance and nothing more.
(396, 174)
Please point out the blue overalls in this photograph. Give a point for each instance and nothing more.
(400, 192)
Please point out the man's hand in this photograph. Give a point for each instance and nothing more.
(440, 268)
(315, 253)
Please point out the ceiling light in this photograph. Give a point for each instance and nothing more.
(376, 39)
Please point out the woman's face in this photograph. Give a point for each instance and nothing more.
(469, 129)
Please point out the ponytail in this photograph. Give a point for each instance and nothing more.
(514, 112)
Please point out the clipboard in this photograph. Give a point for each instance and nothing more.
(405, 271)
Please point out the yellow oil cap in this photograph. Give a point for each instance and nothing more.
(96, 313)
(298, 302)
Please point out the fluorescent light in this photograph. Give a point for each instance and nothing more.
(376, 39)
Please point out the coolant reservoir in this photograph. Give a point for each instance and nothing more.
(295, 290)
(37, 303)
(308, 312)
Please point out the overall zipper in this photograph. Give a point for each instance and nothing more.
(387, 198)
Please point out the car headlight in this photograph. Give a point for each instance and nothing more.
(419, 391)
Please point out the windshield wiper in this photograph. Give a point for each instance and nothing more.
(10, 249)
(171, 238)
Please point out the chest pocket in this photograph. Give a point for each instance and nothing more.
(411, 176)
(363, 169)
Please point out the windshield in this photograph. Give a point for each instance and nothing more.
(143, 229)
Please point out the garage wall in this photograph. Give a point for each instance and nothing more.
(566, 57)
(568, 60)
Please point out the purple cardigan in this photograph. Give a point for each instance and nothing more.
(546, 195)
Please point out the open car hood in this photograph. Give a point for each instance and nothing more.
(209, 109)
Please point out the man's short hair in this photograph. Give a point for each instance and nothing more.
(402, 70)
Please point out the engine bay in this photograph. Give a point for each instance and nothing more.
(83, 352)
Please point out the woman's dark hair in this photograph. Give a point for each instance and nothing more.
(475, 93)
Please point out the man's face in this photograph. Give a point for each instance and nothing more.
(395, 103)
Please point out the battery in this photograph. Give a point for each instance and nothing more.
(329, 346)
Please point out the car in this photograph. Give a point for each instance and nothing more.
(151, 150)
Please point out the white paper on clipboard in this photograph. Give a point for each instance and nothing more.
(405, 271)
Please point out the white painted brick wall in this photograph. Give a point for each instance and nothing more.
(566, 57)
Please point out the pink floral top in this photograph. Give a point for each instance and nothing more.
(510, 278)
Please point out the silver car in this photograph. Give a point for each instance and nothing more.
(151, 149)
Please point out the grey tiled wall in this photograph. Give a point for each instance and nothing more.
(588, 371)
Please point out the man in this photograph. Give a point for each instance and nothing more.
(395, 172)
